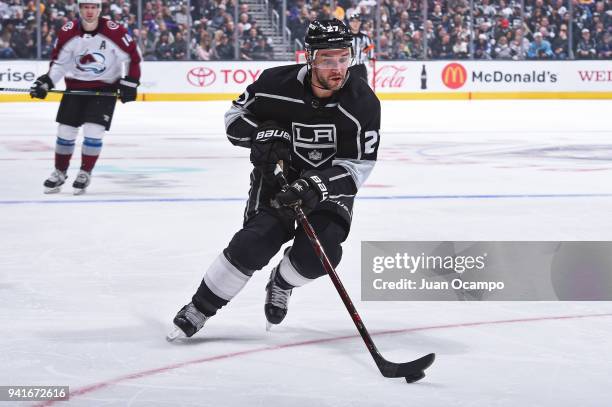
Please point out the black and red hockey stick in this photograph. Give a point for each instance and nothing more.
(411, 371)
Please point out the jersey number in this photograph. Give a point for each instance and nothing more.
(371, 140)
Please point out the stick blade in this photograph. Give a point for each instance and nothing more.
(411, 371)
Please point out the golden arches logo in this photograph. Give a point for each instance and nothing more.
(454, 75)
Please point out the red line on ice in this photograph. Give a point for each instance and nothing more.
(97, 386)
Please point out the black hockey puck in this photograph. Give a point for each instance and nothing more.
(415, 377)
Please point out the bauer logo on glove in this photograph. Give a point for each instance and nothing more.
(320, 185)
(265, 135)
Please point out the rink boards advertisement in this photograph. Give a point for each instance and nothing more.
(202, 80)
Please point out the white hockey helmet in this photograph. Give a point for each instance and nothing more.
(97, 2)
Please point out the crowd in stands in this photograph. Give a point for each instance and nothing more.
(163, 35)
(447, 29)
(494, 29)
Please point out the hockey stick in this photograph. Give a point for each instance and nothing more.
(411, 371)
(65, 92)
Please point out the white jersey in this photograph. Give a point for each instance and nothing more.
(93, 59)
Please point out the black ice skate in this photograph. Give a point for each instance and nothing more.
(187, 322)
(81, 182)
(277, 301)
(54, 183)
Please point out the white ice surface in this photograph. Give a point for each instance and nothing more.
(89, 284)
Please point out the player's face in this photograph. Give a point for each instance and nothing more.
(329, 67)
(89, 12)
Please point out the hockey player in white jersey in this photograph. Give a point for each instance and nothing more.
(90, 54)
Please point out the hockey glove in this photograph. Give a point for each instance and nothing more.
(41, 87)
(271, 144)
(307, 192)
(128, 89)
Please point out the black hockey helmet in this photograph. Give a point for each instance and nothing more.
(327, 34)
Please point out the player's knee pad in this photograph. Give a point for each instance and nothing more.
(93, 130)
(254, 245)
(92, 143)
(66, 132)
(66, 136)
(303, 257)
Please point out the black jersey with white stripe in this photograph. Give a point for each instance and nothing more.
(337, 137)
(363, 48)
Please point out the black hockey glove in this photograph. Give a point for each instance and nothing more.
(271, 144)
(307, 192)
(128, 89)
(41, 87)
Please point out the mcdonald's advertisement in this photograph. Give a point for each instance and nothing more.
(491, 76)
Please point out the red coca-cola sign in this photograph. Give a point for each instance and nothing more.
(390, 76)
(201, 76)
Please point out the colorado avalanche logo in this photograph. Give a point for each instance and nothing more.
(68, 26)
(91, 62)
(112, 25)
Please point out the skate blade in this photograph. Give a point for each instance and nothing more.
(52, 190)
(269, 326)
(176, 333)
(79, 191)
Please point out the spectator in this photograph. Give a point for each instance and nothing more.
(163, 49)
(560, 44)
(204, 49)
(244, 22)
(47, 47)
(416, 45)
(443, 48)
(147, 44)
(225, 50)
(22, 43)
(6, 52)
(262, 51)
(482, 48)
(179, 46)
(539, 48)
(460, 48)
(245, 50)
(385, 51)
(519, 45)
(604, 49)
(586, 46)
(502, 50)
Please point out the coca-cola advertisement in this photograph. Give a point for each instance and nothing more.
(390, 76)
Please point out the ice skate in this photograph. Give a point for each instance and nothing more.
(187, 322)
(54, 183)
(81, 182)
(277, 301)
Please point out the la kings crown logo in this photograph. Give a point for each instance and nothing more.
(314, 143)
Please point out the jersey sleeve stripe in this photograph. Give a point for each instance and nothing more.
(359, 169)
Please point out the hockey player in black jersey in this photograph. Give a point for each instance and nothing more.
(322, 123)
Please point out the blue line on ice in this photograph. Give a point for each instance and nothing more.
(231, 199)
